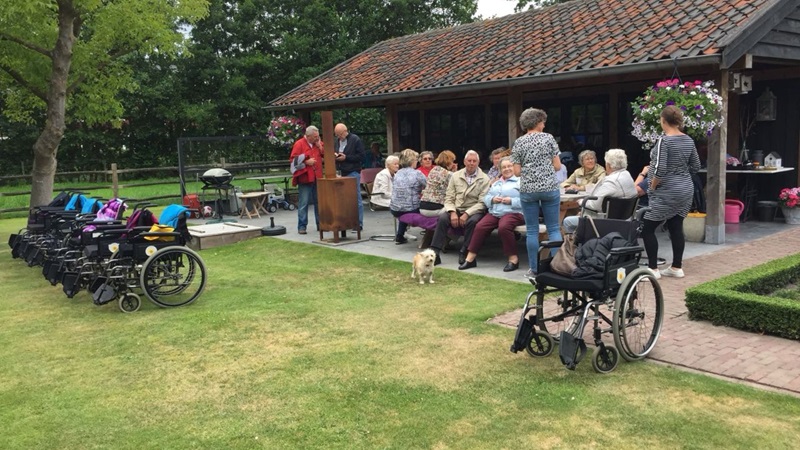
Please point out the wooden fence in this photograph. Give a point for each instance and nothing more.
(191, 173)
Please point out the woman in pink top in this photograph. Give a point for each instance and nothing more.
(426, 163)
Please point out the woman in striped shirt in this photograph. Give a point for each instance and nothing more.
(670, 192)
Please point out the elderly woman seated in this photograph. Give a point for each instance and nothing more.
(617, 183)
(432, 201)
(589, 173)
(408, 185)
(505, 214)
(382, 187)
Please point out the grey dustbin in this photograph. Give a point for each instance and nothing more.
(766, 210)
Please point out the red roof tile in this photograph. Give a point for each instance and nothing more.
(577, 35)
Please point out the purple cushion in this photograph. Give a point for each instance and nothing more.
(426, 223)
(418, 220)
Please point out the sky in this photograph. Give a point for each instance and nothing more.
(499, 8)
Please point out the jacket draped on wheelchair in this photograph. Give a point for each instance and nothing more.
(608, 289)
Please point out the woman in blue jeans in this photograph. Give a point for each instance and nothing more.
(535, 158)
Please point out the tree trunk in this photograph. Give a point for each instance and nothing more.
(46, 146)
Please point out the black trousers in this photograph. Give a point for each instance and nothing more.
(443, 225)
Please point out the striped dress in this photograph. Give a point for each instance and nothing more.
(672, 160)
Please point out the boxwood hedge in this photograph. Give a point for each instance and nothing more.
(741, 300)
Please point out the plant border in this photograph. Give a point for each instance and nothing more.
(739, 300)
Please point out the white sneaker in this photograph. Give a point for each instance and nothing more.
(656, 273)
(670, 272)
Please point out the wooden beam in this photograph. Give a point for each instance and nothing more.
(514, 110)
(613, 117)
(392, 130)
(756, 30)
(422, 130)
(715, 184)
(329, 167)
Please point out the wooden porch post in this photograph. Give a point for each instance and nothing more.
(514, 110)
(422, 144)
(329, 167)
(392, 131)
(715, 186)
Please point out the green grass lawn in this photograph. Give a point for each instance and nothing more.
(303, 346)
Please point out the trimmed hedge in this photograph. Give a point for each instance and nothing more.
(740, 300)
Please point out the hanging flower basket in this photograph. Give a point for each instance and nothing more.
(700, 102)
(285, 130)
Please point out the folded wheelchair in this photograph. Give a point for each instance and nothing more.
(621, 299)
(122, 262)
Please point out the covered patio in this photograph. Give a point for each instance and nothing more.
(583, 62)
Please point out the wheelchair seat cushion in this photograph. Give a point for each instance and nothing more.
(555, 280)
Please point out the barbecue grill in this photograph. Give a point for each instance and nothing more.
(219, 180)
(216, 179)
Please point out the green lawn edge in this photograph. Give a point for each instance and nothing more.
(741, 300)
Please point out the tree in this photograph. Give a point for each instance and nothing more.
(67, 58)
(522, 5)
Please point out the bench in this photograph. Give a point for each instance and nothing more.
(429, 225)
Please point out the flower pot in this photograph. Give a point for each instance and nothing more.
(792, 215)
(694, 227)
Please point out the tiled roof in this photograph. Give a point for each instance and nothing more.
(570, 37)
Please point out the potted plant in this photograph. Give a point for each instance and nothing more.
(788, 200)
(285, 130)
(700, 102)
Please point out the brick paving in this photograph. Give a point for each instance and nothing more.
(763, 361)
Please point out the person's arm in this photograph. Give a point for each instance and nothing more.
(357, 155)
(557, 163)
(479, 207)
(570, 179)
(657, 163)
(450, 196)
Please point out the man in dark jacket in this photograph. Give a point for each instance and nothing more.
(349, 153)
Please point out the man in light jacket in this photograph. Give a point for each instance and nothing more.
(463, 205)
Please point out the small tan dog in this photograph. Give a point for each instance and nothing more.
(422, 266)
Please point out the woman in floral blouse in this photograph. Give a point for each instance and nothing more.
(432, 200)
(535, 158)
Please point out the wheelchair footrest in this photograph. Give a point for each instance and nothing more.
(104, 294)
(69, 283)
(523, 334)
(571, 350)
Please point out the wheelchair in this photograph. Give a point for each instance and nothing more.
(623, 300)
(155, 263)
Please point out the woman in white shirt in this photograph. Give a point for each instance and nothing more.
(382, 187)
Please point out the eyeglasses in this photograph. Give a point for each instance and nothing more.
(426, 159)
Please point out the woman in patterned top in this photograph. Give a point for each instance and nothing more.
(432, 200)
(407, 186)
(673, 160)
(535, 158)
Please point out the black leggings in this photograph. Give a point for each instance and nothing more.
(675, 228)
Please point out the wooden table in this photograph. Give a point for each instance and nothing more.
(257, 200)
(570, 204)
(265, 179)
(749, 192)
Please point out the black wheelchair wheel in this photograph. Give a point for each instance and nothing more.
(638, 315)
(173, 276)
(540, 344)
(605, 359)
(129, 303)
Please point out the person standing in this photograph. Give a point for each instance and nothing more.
(348, 150)
(306, 158)
(673, 160)
(535, 158)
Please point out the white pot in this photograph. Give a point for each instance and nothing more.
(792, 215)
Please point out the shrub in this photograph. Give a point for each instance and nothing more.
(741, 300)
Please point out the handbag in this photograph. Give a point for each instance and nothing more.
(563, 263)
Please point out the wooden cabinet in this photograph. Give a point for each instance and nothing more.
(338, 206)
